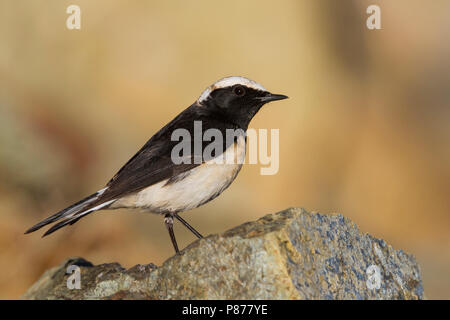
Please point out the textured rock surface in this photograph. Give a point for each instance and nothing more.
(288, 255)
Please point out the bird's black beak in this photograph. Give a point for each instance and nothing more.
(272, 97)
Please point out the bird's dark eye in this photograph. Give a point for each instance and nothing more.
(239, 91)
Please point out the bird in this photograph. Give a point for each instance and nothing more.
(156, 181)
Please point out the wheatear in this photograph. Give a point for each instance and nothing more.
(152, 180)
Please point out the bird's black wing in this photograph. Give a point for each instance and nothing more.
(153, 162)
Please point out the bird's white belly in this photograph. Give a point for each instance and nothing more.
(200, 185)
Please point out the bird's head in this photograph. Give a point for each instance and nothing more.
(237, 98)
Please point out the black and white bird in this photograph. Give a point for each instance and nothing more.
(152, 181)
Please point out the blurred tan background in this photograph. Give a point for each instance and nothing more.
(366, 131)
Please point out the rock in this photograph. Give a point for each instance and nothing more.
(292, 254)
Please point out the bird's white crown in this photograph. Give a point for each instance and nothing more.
(228, 82)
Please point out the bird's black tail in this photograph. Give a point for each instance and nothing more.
(72, 214)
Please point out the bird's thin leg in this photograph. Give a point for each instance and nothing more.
(168, 221)
(187, 225)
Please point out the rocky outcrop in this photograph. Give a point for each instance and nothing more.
(292, 254)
